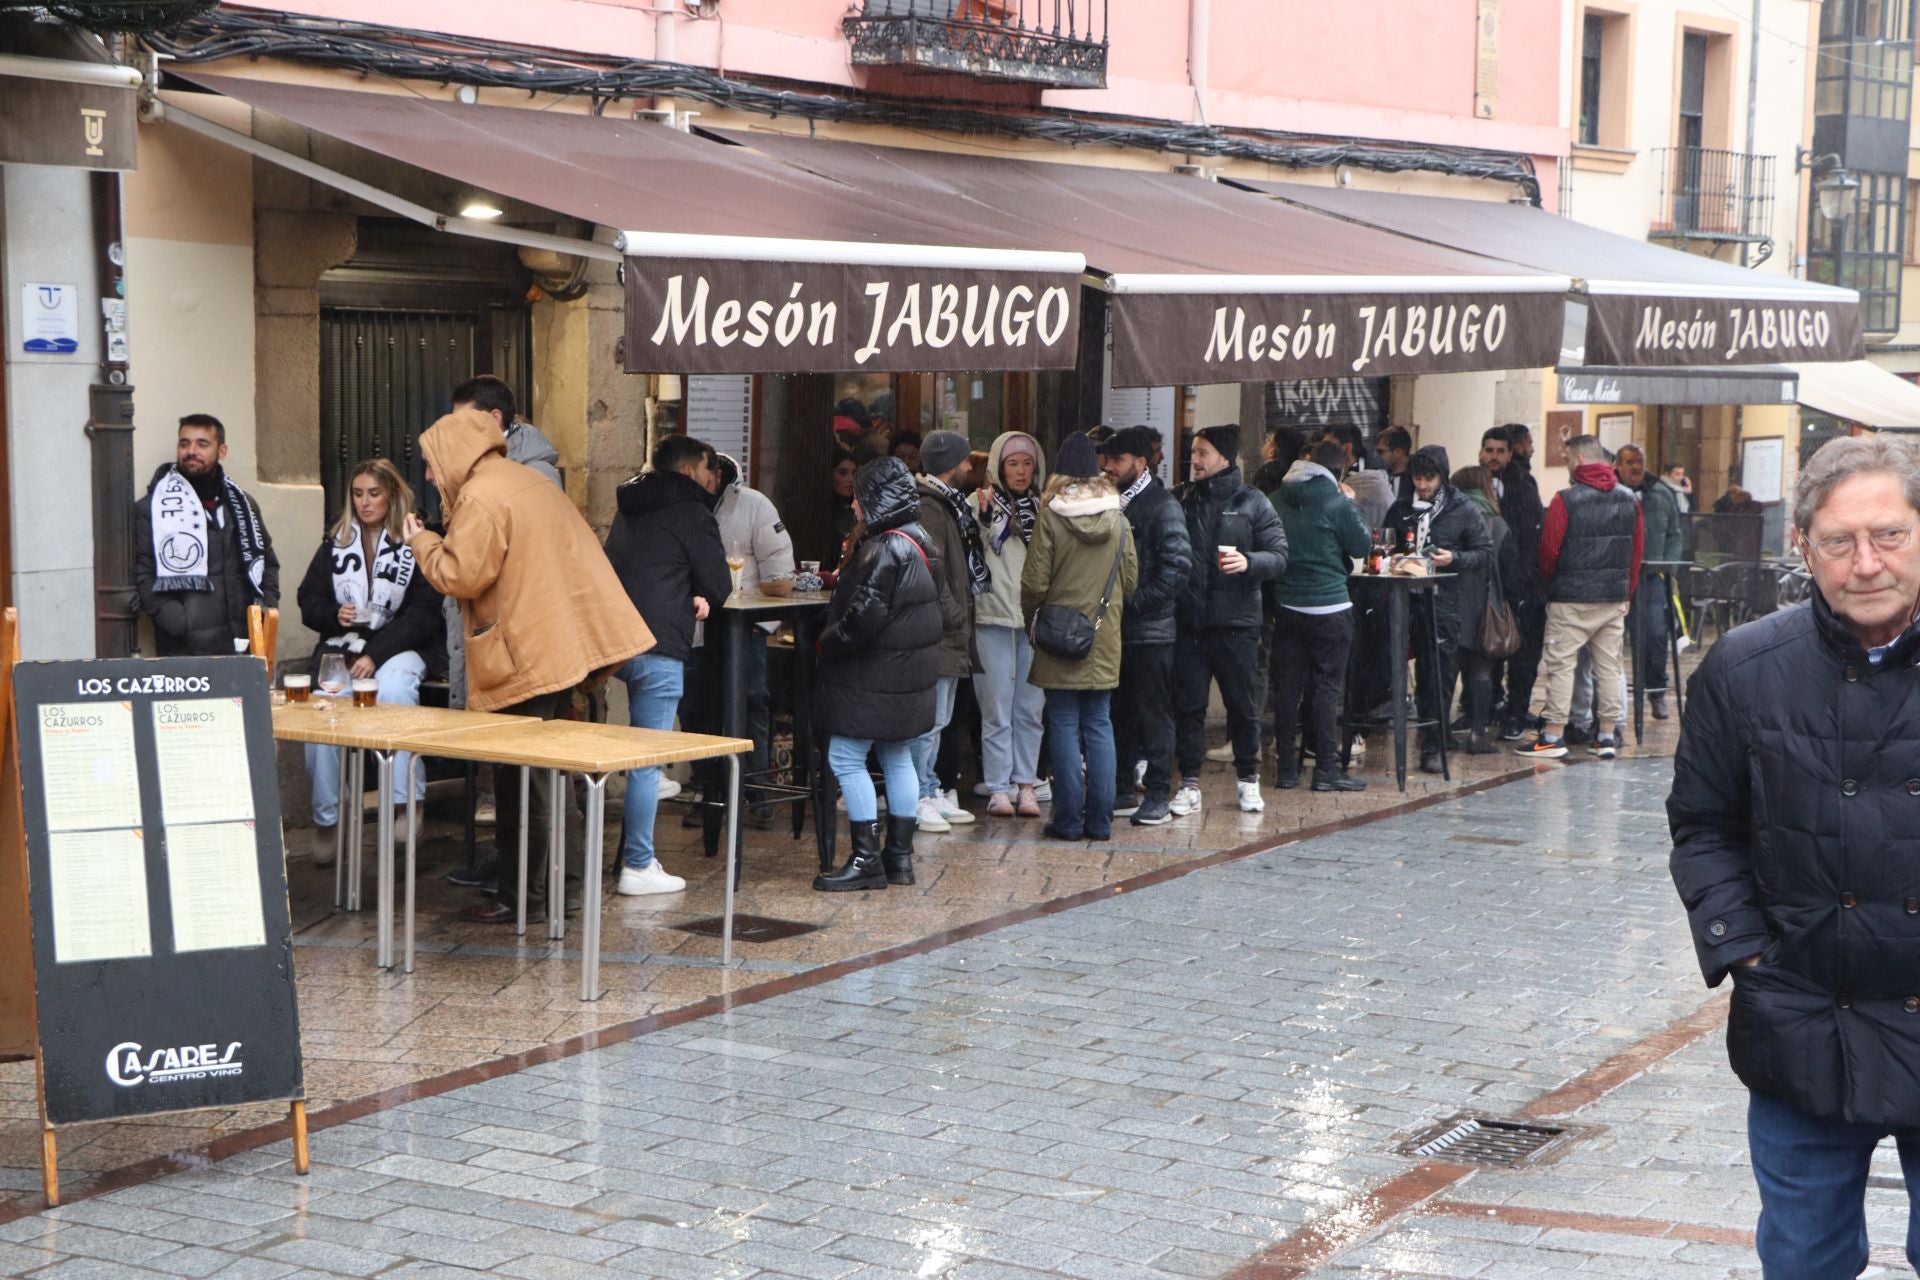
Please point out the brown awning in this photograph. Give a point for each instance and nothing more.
(735, 263)
(1646, 305)
(1214, 284)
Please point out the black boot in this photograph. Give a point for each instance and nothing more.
(863, 868)
(897, 857)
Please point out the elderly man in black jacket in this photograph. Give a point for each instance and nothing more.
(665, 545)
(1793, 817)
(1448, 527)
(1143, 710)
(1239, 545)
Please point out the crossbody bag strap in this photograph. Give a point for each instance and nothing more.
(1113, 576)
(901, 533)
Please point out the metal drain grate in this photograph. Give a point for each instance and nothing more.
(748, 928)
(1489, 1141)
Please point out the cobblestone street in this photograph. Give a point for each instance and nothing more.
(1205, 1077)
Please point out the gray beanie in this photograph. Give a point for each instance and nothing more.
(942, 451)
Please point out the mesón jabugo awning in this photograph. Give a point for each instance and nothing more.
(735, 263)
(1211, 283)
(1646, 306)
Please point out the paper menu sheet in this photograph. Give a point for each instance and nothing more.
(213, 880)
(89, 777)
(200, 745)
(99, 884)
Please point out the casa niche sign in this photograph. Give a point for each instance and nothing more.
(724, 316)
(1205, 338)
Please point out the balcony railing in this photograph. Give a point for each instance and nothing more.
(1058, 43)
(1713, 195)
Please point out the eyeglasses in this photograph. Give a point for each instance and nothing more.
(1837, 549)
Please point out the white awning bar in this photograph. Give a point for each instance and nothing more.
(1784, 290)
(853, 253)
(1195, 283)
(453, 225)
(68, 71)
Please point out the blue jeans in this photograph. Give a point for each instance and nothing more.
(1010, 709)
(847, 757)
(399, 680)
(653, 696)
(1079, 728)
(1813, 1185)
(927, 746)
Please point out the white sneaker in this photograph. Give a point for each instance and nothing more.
(668, 789)
(1185, 801)
(652, 878)
(1359, 748)
(929, 817)
(1043, 791)
(1251, 800)
(983, 790)
(484, 814)
(950, 809)
(1222, 754)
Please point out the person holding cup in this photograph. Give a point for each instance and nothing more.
(375, 614)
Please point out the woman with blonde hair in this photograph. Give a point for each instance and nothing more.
(362, 596)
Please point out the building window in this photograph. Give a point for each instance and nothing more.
(1911, 257)
(1606, 60)
(1871, 247)
(1865, 67)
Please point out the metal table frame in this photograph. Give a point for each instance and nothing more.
(1667, 571)
(1399, 591)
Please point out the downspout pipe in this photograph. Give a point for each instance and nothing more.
(1199, 26)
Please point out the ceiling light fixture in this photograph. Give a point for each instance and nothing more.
(483, 208)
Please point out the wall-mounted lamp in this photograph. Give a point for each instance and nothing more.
(1836, 187)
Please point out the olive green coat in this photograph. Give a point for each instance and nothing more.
(1074, 541)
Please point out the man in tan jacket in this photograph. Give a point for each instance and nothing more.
(541, 607)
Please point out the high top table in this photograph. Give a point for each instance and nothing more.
(1399, 590)
(595, 752)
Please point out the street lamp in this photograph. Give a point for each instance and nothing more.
(1837, 190)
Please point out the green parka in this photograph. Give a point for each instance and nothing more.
(1080, 530)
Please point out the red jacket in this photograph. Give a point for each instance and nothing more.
(1595, 475)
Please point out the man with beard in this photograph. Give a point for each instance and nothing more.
(201, 551)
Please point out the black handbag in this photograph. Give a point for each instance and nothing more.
(1062, 631)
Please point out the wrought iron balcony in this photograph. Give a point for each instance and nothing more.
(1713, 195)
(1058, 43)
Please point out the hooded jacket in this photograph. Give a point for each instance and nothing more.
(1520, 507)
(958, 656)
(1455, 525)
(1325, 534)
(529, 446)
(880, 647)
(999, 604)
(665, 546)
(202, 623)
(540, 606)
(1075, 541)
(1500, 571)
(1591, 542)
(1665, 535)
(1222, 510)
(1165, 553)
(1796, 786)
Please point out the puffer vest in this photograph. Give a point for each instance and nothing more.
(1596, 558)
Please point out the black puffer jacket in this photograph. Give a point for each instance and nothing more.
(1223, 510)
(1525, 515)
(1459, 528)
(880, 650)
(202, 623)
(1166, 560)
(1795, 803)
(665, 545)
(415, 627)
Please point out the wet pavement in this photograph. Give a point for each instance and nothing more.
(1203, 1077)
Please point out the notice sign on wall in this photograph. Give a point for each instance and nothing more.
(162, 953)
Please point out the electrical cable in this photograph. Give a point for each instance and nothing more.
(411, 54)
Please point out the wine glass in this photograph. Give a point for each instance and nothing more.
(333, 674)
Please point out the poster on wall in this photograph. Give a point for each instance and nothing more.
(1760, 462)
(1615, 431)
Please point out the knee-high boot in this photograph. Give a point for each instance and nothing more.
(897, 857)
(862, 870)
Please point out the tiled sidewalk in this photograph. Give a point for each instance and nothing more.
(1168, 1082)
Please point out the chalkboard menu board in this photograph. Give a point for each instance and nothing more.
(162, 952)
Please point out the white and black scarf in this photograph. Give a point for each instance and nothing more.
(392, 572)
(1132, 491)
(1011, 513)
(969, 535)
(1426, 512)
(180, 534)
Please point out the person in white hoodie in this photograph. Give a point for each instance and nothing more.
(1011, 710)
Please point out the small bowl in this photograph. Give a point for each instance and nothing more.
(776, 586)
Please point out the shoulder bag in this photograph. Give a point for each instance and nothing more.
(1063, 631)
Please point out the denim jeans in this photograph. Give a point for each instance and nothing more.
(653, 696)
(927, 746)
(1080, 729)
(399, 680)
(1813, 1185)
(847, 757)
(1010, 709)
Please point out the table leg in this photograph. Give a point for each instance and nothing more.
(520, 919)
(733, 855)
(413, 836)
(383, 860)
(590, 919)
(1633, 674)
(357, 789)
(473, 801)
(340, 837)
(1397, 651)
(557, 797)
(1440, 698)
(1674, 682)
(740, 633)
